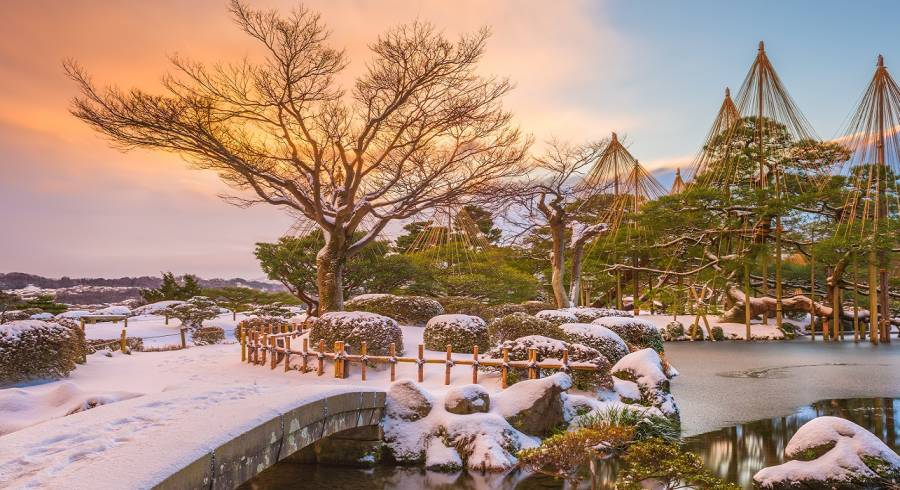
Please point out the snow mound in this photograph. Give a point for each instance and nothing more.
(833, 451)
(647, 370)
(21, 408)
(41, 316)
(114, 310)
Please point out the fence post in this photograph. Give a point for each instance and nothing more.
(287, 354)
(338, 362)
(264, 348)
(167, 319)
(321, 355)
(532, 360)
(475, 364)
(243, 345)
(421, 362)
(84, 334)
(123, 343)
(125, 325)
(305, 363)
(362, 360)
(448, 365)
(504, 369)
(565, 361)
(273, 343)
(183, 341)
(393, 354)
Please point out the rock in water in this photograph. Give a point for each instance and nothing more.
(406, 400)
(833, 453)
(536, 406)
(469, 399)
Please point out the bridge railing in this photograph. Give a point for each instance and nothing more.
(273, 347)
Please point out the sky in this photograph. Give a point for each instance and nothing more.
(653, 71)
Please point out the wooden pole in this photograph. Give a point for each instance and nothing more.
(363, 348)
(273, 359)
(504, 369)
(420, 360)
(448, 365)
(287, 354)
(264, 348)
(305, 361)
(532, 360)
(874, 330)
(321, 355)
(243, 345)
(812, 292)
(392, 350)
(338, 362)
(183, 340)
(836, 315)
(123, 343)
(475, 364)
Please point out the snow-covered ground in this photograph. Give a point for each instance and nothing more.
(731, 330)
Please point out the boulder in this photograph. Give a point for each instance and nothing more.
(469, 399)
(535, 407)
(407, 401)
(647, 370)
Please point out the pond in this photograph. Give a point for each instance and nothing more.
(734, 453)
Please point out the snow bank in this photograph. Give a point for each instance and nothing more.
(23, 408)
(834, 451)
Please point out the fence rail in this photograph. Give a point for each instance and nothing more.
(273, 347)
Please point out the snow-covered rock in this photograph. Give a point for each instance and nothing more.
(468, 399)
(831, 452)
(41, 316)
(408, 401)
(534, 406)
(609, 343)
(646, 369)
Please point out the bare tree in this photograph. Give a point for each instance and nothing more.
(418, 129)
(549, 199)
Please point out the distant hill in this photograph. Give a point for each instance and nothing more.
(19, 280)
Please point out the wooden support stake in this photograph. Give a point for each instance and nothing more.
(504, 370)
(123, 343)
(305, 362)
(167, 319)
(243, 345)
(363, 348)
(421, 362)
(263, 347)
(532, 358)
(448, 365)
(287, 354)
(183, 341)
(565, 360)
(321, 358)
(474, 364)
(393, 353)
(338, 362)
(273, 342)
(125, 324)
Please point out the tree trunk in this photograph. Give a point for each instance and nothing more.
(558, 263)
(329, 274)
(575, 286)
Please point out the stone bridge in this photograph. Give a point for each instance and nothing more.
(246, 455)
(191, 437)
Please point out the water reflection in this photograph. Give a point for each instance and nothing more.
(733, 453)
(737, 453)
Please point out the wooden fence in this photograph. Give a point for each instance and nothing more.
(272, 347)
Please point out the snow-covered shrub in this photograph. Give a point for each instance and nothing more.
(549, 349)
(648, 370)
(73, 314)
(587, 314)
(557, 317)
(114, 310)
(413, 310)
(81, 348)
(272, 311)
(207, 335)
(194, 311)
(260, 324)
(718, 334)
(461, 332)
(565, 455)
(532, 307)
(354, 327)
(464, 305)
(17, 315)
(636, 331)
(41, 316)
(515, 325)
(31, 349)
(158, 308)
(674, 331)
(831, 452)
(609, 343)
(504, 309)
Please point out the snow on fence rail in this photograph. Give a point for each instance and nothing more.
(273, 346)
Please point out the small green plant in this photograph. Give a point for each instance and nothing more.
(646, 425)
(564, 454)
(668, 465)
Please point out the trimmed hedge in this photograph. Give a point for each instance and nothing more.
(464, 305)
(504, 309)
(354, 327)
(607, 342)
(587, 314)
(532, 307)
(636, 331)
(550, 349)
(557, 317)
(515, 325)
(34, 349)
(673, 331)
(461, 332)
(412, 310)
(207, 335)
(81, 346)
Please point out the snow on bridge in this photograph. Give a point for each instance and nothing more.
(182, 438)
